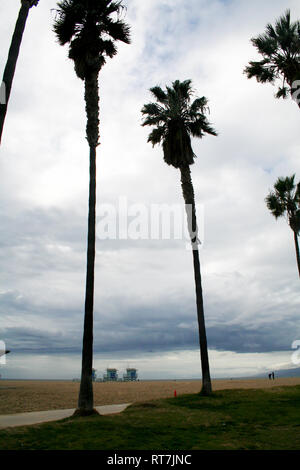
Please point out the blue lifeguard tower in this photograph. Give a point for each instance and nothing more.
(111, 375)
(131, 375)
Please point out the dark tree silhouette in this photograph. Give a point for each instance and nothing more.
(285, 201)
(13, 54)
(280, 50)
(91, 28)
(175, 119)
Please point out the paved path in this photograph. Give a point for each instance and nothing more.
(25, 419)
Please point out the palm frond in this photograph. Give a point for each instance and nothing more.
(159, 94)
(154, 114)
(283, 25)
(183, 89)
(152, 109)
(199, 105)
(117, 30)
(284, 186)
(108, 47)
(152, 121)
(265, 44)
(282, 92)
(156, 136)
(270, 31)
(69, 15)
(275, 205)
(200, 126)
(263, 71)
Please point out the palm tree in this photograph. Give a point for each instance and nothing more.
(90, 27)
(285, 201)
(280, 50)
(176, 119)
(13, 54)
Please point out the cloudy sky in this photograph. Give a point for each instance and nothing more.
(145, 313)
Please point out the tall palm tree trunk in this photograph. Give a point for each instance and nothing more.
(189, 198)
(11, 63)
(297, 250)
(86, 400)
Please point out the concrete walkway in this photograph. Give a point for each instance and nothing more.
(25, 419)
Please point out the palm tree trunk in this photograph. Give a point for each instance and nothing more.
(297, 250)
(86, 400)
(189, 198)
(11, 63)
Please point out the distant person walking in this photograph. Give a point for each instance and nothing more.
(273, 375)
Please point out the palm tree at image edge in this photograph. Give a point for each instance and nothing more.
(91, 31)
(279, 47)
(284, 200)
(175, 119)
(13, 54)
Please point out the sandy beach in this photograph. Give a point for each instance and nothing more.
(24, 396)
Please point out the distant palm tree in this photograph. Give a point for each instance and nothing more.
(280, 49)
(285, 201)
(176, 119)
(90, 27)
(13, 54)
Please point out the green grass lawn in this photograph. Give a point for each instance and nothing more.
(229, 420)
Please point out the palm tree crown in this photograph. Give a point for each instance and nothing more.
(280, 49)
(90, 29)
(176, 118)
(285, 201)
